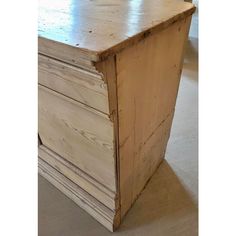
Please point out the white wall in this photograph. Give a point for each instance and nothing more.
(194, 25)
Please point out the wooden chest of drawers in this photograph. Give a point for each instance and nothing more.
(109, 73)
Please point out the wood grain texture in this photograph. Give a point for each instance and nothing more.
(78, 133)
(108, 80)
(148, 77)
(107, 217)
(83, 31)
(80, 178)
(108, 69)
(83, 86)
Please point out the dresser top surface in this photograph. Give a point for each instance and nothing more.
(99, 28)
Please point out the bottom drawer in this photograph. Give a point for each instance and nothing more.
(79, 134)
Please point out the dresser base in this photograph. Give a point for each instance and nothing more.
(101, 213)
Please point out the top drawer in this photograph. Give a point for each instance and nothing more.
(73, 82)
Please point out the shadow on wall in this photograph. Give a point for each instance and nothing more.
(194, 24)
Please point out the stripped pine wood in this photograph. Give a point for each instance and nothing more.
(79, 177)
(108, 80)
(64, 123)
(93, 30)
(108, 69)
(70, 55)
(148, 77)
(108, 218)
(83, 86)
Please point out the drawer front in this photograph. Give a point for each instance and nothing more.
(73, 82)
(79, 134)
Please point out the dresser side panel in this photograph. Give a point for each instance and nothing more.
(148, 76)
